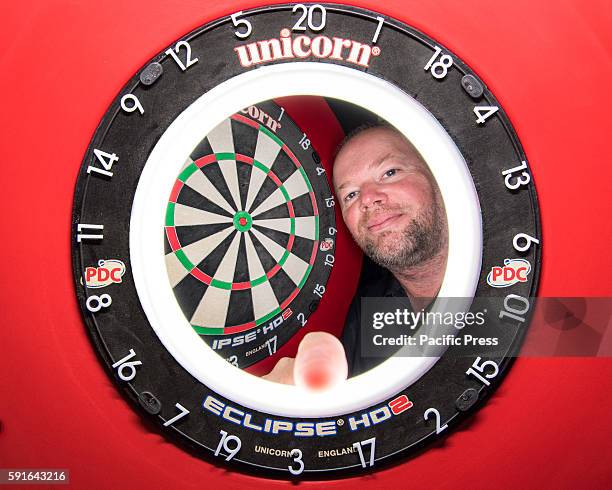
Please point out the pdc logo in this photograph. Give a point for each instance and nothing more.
(513, 271)
(326, 245)
(108, 272)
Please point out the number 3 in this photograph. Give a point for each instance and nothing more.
(296, 454)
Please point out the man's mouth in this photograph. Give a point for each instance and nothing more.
(383, 221)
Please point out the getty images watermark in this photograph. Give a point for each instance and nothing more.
(536, 327)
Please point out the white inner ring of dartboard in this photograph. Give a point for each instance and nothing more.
(174, 148)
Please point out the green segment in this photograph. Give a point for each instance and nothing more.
(284, 258)
(272, 136)
(170, 214)
(189, 170)
(221, 284)
(184, 260)
(316, 227)
(225, 156)
(259, 280)
(261, 166)
(264, 319)
(285, 193)
(303, 281)
(208, 330)
(292, 231)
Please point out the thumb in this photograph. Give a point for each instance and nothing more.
(320, 362)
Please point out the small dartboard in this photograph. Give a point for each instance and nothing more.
(204, 236)
(242, 234)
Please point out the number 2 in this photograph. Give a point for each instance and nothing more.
(437, 415)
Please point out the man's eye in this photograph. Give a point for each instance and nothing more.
(390, 172)
(350, 196)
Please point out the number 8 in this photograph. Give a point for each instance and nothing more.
(102, 301)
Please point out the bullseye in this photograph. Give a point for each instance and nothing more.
(242, 221)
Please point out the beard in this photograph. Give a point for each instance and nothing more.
(417, 243)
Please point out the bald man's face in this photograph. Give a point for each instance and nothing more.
(389, 199)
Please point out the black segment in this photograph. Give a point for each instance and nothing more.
(302, 247)
(213, 172)
(244, 177)
(240, 309)
(267, 187)
(276, 236)
(190, 197)
(245, 138)
(283, 166)
(241, 274)
(267, 261)
(189, 234)
(282, 285)
(189, 293)
(281, 211)
(302, 205)
(203, 149)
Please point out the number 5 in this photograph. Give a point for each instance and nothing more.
(241, 22)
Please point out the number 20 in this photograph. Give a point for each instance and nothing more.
(308, 14)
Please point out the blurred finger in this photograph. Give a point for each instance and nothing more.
(320, 362)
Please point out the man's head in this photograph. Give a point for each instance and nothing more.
(389, 199)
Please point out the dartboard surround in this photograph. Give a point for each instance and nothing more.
(219, 424)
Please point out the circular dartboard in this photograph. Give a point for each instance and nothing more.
(204, 236)
(242, 234)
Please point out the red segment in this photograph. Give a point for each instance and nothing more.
(198, 274)
(314, 252)
(314, 203)
(178, 185)
(290, 242)
(292, 156)
(291, 210)
(238, 286)
(173, 238)
(242, 221)
(239, 328)
(245, 120)
(290, 299)
(200, 162)
(244, 158)
(273, 271)
(275, 178)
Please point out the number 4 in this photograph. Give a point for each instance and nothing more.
(484, 112)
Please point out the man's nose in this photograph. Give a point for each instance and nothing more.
(371, 195)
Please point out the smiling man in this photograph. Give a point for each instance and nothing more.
(393, 208)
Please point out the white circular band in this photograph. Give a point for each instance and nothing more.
(172, 150)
